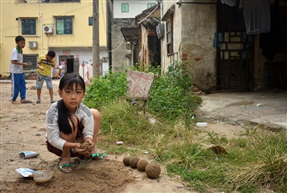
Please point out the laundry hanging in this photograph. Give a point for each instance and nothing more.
(231, 3)
(256, 15)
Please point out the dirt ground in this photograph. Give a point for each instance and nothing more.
(23, 129)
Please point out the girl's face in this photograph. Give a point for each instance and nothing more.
(21, 44)
(72, 97)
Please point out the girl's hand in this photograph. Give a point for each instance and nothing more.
(77, 145)
(79, 149)
(92, 144)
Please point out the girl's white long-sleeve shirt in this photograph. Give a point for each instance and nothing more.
(84, 115)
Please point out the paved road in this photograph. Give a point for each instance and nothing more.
(268, 108)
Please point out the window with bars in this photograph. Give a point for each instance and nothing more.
(64, 25)
(28, 26)
(30, 59)
(125, 7)
(169, 35)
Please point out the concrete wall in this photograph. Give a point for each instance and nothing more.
(197, 43)
(121, 56)
(166, 60)
(45, 13)
(193, 33)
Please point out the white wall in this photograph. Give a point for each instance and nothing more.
(135, 7)
(166, 60)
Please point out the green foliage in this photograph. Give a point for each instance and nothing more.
(104, 90)
(263, 161)
(170, 97)
(253, 161)
(122, 123)
(257, 156)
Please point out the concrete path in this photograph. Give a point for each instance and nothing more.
(265, 108)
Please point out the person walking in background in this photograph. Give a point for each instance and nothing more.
(18, 83)
(84, 72)
(44, 73)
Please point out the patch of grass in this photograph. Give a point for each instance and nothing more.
(254, 161)
(104, 90)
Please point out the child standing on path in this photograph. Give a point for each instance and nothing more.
(70, 123)
(45, 65)
(18, 83)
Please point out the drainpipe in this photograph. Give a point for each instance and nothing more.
(41, 32)
(175, 59)
(161, 14)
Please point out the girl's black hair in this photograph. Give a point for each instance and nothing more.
(63, 115)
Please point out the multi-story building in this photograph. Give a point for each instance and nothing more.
(124, 13)
(64, 26)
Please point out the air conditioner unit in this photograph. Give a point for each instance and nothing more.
(32, 45)
(48, 29)
(160, 30)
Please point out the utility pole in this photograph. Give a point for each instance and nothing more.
(95, 50)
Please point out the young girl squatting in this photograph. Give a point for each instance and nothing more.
(70, 123)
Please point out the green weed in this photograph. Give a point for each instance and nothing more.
(254, 161)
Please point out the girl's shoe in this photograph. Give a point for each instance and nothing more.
(68, 167)
(99, 156)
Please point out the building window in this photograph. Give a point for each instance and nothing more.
(150, 5)
(125, 7)
(30, 59)
(169, 35)
(90, 21)
(64, 25)
(28, 26)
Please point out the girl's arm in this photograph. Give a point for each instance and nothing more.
(71, 145)
(88, 122)
(88, 131)
(53, 132)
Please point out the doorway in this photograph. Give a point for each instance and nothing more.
(234, 50)
(70, 65)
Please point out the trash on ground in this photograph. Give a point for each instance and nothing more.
(28, 154)
(218, 149)
(119, 143)
(43, 176)
(25, 172)
(152, 120)
(201, 124)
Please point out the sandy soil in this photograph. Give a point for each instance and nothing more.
(23, 128)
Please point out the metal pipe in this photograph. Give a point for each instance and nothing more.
(41, 32)
(184, 2)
